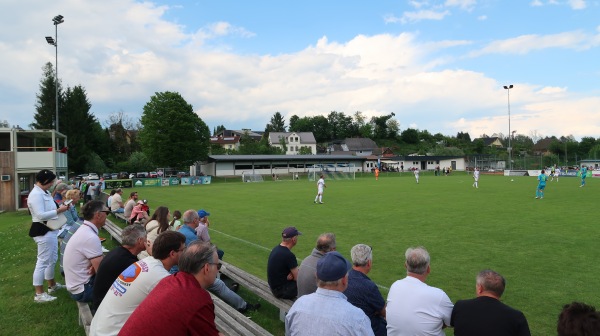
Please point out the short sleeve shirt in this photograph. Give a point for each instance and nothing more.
(281, 262)
(83, 246)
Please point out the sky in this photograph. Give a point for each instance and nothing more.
(438, 66)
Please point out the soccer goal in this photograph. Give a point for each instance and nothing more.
(332, 175)
(252, 178)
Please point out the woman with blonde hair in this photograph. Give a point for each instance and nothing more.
(159, 222)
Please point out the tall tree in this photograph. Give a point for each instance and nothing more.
(277, 124)
(380, 127)
(122, 135)
(45, 106)
(172, 135)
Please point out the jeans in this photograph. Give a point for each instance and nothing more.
(88, 291)
(46, 257)
(221, 290)
(287, 291)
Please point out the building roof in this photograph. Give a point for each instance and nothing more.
(488, 141)
(305, 137)
(312, 158)
(225, 140)
(358, 144)
(543, 145)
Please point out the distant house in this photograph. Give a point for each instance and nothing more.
(227, 142)
(491, 142)
(354, 146)
(542, 147)
(254, 135)
(294, 141)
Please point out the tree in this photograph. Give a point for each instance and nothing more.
(121, 132)
(277, 124)
(172, 135)
(393, 127)
(219, 129)
(305, 150)
(410, 136)
(365, 129)
(45, 106)
(341, 126)
(139, 162)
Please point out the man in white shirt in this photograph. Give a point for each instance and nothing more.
(416, 172)
(413, 307)
(116, 203)
(320, 186)
(136, 282)
(476, 178)
(83, 253)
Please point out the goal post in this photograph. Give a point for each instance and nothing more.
(252, 177)
(331, 175)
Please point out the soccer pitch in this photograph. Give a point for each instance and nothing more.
(545, 248)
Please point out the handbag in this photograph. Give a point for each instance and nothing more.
(56, 222)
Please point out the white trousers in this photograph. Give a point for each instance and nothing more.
(46, 257)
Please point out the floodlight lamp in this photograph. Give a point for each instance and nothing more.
(58, 19)
(50, 40)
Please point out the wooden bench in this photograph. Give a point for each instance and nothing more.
(257, 286)
(121, 216)
(114, 230)
(85, 316)
(231, 322)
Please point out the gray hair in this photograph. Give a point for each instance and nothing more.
(189, 216)
(417, 260)
(131, 234)
(491, 282)
(361, 254)
(326, 242)
(196, 255)
(321, 283)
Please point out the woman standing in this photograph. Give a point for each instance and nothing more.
(42, 208)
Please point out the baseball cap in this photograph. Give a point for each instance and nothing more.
(332, 266)
(290, 232)
(140, 202)
(203, 213)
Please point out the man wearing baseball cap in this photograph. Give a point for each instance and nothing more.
(327, 311)
(282, 267)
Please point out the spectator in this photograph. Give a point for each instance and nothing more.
(181, 299)
(133, 241)
(362, 292)
(99, 188)
(202, 230)
(42, 208)
(413, 307)
(191, 219)
(139, 214)
(116, 203)
(134, 284)
(90, 193)
(327, 312)
(486, 315)
(83, 253)
(578, 319)
(73, 196)
(109, 200)
(307, 274)
(282, 267)
(131, 202)
(59, 192)
(175, 223)
(158, 223)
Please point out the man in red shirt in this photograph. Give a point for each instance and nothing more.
(184, 305)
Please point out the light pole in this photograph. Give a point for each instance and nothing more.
(508, 87)
(54, 41)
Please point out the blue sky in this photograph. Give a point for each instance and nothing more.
(438, 65)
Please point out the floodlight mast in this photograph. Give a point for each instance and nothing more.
(507, 88)
(54, 41)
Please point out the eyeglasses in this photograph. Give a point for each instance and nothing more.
(218, 265)
(105, 211)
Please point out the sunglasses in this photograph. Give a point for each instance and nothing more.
(218, 265)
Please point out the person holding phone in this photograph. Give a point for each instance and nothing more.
(42, 208)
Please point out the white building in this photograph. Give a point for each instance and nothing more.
(293, 141)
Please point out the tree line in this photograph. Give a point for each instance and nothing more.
(170, 134)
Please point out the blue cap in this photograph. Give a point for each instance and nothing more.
(332, 266)
(290, 232)
(203, 213)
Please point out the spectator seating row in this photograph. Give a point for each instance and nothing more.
(85, 316)
(257, 286)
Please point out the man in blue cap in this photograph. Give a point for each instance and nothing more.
(327, 311)
(202, 230)
(282, 267)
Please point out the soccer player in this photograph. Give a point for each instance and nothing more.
(376, 173)
(542, 178)
(583, 172)
(416, 172)
(476, 177)
(320, 186)
(557, 173)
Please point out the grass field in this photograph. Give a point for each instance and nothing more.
(546, 249)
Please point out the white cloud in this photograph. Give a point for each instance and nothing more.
(463, 4)
(577, 4)
(482, 17)
(412, 17)
(524, 44)
(552, 90)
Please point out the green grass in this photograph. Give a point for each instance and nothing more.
(544, 248)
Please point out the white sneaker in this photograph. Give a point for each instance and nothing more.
(44, 297)
(56, 287)
(104, 250)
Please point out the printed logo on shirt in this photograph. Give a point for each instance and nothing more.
(119, 287)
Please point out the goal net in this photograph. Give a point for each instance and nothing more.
(331, 175)
(252, 178)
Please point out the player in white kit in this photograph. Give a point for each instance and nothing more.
(320, 186)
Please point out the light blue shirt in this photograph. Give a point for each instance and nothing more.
(326, 312)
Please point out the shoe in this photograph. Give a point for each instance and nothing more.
(320, 202)
(541, 197)
(104, 250)
(44, 297)
(536, 197)
(235, 287)
(250, 307)
(56, 287)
